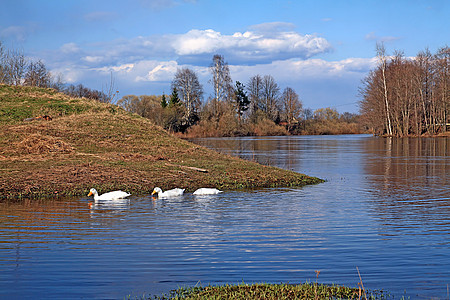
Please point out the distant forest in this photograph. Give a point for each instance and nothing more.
(408, 96)
(258, 107)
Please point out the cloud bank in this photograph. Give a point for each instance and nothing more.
(260, 44)
(248, 47)
(146, 65)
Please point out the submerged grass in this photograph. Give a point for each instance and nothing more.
(91, 144)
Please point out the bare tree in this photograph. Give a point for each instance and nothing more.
(3, 70)
(190, 90)
(408, 96)
(254, 87)
(12, 66)
(37, 75)
(57, 82)
(423, 85)
(110, 95)
(292, 106)
(129, 103)
(80, 91)
(442, 71)
(221, 80)
(381, 53)
(269, 97)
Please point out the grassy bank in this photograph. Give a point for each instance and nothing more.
(272, 291)
(90, 144)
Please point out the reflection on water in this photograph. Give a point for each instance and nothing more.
(384, 208)
(401, 184)
(117, 204)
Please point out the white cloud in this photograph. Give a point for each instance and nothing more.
(93, 59)
(261, 45)
(70, 74)
(296, 70)
(149, 71)
(127, 68)
(198, 42)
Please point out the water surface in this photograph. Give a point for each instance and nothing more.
(385, 209)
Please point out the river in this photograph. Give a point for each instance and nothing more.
(384, 209)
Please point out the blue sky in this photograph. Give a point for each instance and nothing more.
(320, 48)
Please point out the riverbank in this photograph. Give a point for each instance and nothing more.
(53, 145)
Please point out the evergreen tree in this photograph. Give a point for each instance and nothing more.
(174, 99)
(241, 100)
(163, 101)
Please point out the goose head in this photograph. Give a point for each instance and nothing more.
(92, 192)
(156, 190)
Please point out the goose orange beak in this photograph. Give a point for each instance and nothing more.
(90, 194)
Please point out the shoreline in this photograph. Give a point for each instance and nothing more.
(88, 144)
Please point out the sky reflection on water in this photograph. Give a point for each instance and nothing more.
(384, 209)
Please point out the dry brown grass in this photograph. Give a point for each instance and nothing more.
(41, 144)
(101, 146)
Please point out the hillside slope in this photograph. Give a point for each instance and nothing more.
(90, 144)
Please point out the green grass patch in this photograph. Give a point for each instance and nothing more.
(271, 291)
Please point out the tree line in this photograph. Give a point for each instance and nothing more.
(17, 69)
(407, 96)
(259, 107)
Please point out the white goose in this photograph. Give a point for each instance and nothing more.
(167, 194)
(115, 195)
(207, 191)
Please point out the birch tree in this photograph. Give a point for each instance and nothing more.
(442, 67)
(190, 90)
(221, 81)
(408, 96)
(381, 54)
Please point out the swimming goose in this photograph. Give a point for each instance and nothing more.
(170, 193)
(115, 195)
(207, 191)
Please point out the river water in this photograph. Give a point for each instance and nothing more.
(384, 209)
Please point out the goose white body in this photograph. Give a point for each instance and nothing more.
(169, 193)
(115, 195)
(207, 191)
